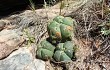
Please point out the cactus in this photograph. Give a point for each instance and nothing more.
(64, 51)
(45, 50)
(66, 31)
(58, 19)
(68, 21)
(61, 56)
(54, 30)
(61, 28)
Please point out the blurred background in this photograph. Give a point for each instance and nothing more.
(14, 6)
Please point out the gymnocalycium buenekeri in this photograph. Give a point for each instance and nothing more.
(64, 51)
(60, 32)
(45, 50)
(61, 28)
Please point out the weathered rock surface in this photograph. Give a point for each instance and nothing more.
(22, 59)
(9, 41)
(2, 25)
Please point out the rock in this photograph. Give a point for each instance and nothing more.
(9, 41)
(22, 59)
(2, 25)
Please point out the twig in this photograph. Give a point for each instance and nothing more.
(45, 6)
(105, 48)
(102, 9)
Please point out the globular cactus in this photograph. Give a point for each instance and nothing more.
(45, 50)
(61, 28)
(64, 51)
(61, 56)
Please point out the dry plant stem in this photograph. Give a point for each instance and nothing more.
(41, 37)
(98, 50)
(61, 8)
(105, 49)
(102, 9)
(86, 29)
(45, 6)
(99, 61)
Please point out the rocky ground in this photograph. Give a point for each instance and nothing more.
(20, 34)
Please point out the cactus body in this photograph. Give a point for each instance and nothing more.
(61, 56)
(54, 30)
(59, 19)
(64, 51)
(45, 50)
(68, 21)
(64, 57)
(61, 28)
(66, 31)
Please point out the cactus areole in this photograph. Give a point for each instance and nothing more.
(61, 28)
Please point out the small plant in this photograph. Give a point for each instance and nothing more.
(105, 31)
(30, 38)
(105, 28)
(32, 5)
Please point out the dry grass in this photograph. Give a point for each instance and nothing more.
(94, 48)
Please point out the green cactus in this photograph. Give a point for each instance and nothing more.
(58, 19)
(64, 57)
(69, 53)
(61, 28)
(44, 54)
(60, 46)
(65, 46)
(66, 31)
(45, 50)
(57, 55)
(61, 56)
(46, 45)
(54, 30)
(68, 45)
(68, 21)
(64, 51)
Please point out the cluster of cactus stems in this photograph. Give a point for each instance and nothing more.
(60, 29)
